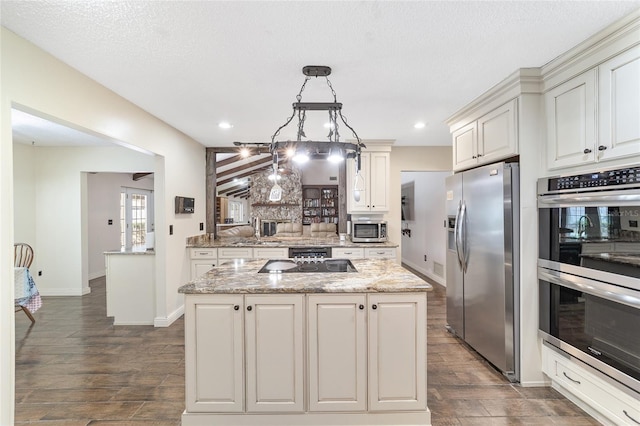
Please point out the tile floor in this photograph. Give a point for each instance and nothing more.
(73, 367)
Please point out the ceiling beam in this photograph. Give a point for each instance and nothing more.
(244, 167)
(138, 176)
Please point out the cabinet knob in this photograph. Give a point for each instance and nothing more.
(474, 157)
(587, 151)
(361, 307)
(602, 148)
(374, 307)
(236, 307)
(249, 308)
(479, 155)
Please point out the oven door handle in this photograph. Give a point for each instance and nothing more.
(610, 292)
(595, 198)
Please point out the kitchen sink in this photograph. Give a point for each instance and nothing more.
(280, 266)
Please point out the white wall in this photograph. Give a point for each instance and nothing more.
(427, 230)
(412, 159)
(38, 83)
(103, 195)
(57, 203)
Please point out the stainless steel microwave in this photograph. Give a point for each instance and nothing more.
(370, 231)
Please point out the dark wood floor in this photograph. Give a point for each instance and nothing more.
(73, 367)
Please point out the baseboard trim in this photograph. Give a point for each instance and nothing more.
(429, 274)
(170, 319)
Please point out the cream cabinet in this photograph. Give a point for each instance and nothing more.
(593, 117)
(202, 260)
(274, 352)
(224, 331)
(397, 351)
(619, 105)
(571, 121)
(359, 353)
(603, 401)
(374, 170)
(347, 252)
(379, 252)
(235, 253)
(270, 252)
(490, 138)
(214, 342)
(337, 352)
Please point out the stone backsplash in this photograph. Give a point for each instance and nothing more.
(288, 208)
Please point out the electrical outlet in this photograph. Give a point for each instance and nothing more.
(39, 273)
(170, 229)
(201, 226)
(110, 222)
(425, 257)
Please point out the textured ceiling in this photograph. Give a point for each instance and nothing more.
(194, 64)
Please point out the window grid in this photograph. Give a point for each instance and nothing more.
(138, 219)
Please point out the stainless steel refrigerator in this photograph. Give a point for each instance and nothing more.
(483, 263)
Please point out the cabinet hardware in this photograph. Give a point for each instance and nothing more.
(632, 419)
(361, 307)
(249, 308)
(374, 307)
(602, 148)
(480, 155)
(474, 157)
(574, 381)
(587, 151)
(236, 307)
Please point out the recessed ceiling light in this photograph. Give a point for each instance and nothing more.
(419, 125)
(225, 125)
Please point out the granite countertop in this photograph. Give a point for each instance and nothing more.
(205, 241)
(632, 259)
(241, 276)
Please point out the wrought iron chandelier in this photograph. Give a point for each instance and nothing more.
(301, 149)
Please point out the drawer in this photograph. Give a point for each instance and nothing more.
(381, 252)
(270, 252)
(627, 247)
(347, 253)
(601, 396)
(204, 253)
(235, 253)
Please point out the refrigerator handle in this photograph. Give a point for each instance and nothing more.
(462, 232)
(457, 234)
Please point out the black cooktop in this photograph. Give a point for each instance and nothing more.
(286, 266)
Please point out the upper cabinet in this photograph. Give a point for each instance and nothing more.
(490, 138)
(595, 116)
(374, 172)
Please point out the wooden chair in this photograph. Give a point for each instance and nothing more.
(23, 257)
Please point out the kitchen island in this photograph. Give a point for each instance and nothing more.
(279, 348)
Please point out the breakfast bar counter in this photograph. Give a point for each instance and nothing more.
(287, 346)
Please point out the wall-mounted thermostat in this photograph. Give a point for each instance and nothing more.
(185, 205)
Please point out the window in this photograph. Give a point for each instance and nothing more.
(235, 211)
(136, 217)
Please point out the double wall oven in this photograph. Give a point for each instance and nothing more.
(589, 270)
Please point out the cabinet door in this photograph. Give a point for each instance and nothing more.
(378, 186)
(214, 361)
(270, 252)
(397, 351)
(465, 146)
(619, 106)
(274, 351)
(498, 133)
(337, 352)
(571, 123)
(235, 253)
(201, 267)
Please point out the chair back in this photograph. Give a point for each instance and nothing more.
(22, 255)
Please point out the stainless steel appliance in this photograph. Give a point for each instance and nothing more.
(368, 231)
(483, 263)
(309, 252)
(589, 270)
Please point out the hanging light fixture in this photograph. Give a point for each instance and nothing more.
(333, 149)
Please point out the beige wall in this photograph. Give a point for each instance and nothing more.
(34, 81)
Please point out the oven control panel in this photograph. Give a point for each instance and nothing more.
(610, 178)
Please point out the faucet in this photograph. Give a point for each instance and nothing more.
(584, 222)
